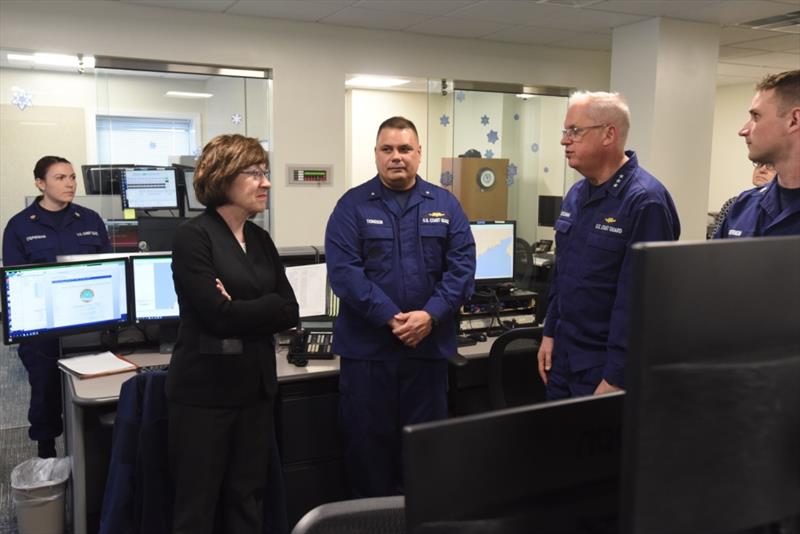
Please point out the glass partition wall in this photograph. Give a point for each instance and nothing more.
(121, 112)
(497, 148)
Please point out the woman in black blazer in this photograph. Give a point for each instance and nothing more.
(233, 296)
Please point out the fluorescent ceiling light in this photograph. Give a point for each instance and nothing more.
(375, 81)
(243, 72)
(53, 60)
(187, 94)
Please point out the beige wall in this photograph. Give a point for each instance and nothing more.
(309, 62)
(731, 171)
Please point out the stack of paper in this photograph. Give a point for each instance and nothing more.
(105, 363)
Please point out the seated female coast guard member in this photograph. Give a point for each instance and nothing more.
(50, 227)
(233, 296)
(772, 135)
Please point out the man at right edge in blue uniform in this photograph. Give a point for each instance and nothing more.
(616, 204)
(772, 135)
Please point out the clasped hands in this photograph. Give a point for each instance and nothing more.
(411, 327)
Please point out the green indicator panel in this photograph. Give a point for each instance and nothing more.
(309, 175)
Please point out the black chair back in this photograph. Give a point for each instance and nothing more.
(513, 370)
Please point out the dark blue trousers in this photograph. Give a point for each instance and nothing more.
(40, 358)
(563, 383)
(377, 399)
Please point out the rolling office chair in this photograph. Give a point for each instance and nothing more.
(358, 516)
(513, 369)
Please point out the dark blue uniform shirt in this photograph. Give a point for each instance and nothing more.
(759, 212)
(32, 236)
(588, 310)
(383, 260)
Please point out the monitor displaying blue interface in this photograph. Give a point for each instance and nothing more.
(149, 188)
(494, 250)
(63, 298)
(154, 298)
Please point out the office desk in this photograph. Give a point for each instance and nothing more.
(306, 423)
(306, 418)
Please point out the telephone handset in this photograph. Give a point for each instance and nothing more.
(310, 345)
(542, 246)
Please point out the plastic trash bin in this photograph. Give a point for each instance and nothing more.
(38, 486)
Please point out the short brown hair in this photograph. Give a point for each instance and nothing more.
(787, 89)
(44, 164)
(223, 158)
(397, 123)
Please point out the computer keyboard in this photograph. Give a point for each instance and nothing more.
(154, 367)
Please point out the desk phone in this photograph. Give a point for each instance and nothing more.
(311, 345)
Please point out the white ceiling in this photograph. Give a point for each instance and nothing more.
(745, 54)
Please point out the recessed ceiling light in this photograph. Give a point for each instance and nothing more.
(54, 60)
(375, 81)
(525, 96)
(187, 94)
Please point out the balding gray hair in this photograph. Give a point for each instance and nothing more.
(605, 108)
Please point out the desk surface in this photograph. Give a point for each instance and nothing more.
(105, 389)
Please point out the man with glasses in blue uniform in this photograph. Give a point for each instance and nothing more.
(772, 135)
(401, 258)
(618, 203)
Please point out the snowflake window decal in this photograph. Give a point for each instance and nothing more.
(446, 178)
(21, 98)
(492, 136)
(489, 154)
(485, 120)
(511, 173)
(535, 147)
(444, 120)
(460, 96)
(236, 118)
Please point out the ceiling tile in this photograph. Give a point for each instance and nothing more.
(731, 52)
(780, 43)
(458, 27)
(310, 11)
(586, 41)
(513, 12)
(734, 11)
(425, 7)
(736, 35)
(215, 6)
(777, 60)
(584, 20)
(651, 8)
(373, 19)
(529, 35)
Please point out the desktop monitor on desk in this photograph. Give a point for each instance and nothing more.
(494, 251)
(153, 296)
(712, 423)
(150, 188)
(56, 299)
(123, 234)
(550, 467)
(103, 179)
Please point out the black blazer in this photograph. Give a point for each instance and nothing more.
(225, 352)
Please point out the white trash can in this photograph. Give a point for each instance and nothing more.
(38, 486)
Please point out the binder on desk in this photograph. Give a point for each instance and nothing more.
(93, 365)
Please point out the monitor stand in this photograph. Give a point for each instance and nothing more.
(167, 336)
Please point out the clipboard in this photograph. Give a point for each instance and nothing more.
(93, 365)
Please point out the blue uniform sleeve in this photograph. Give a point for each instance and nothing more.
(13, 249)
(346, 269)
(458, 279)
(652, 222)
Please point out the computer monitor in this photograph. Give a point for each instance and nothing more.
(551, 467)
(712, 420)
(55, 299)
(103, 179)
(549, 210)
(186, 183)
(149, 188)
(157, 233)
(494, 251)
(123, 234)
(153, 297)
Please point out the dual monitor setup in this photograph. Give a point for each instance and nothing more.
(91, 293)
(144, 187)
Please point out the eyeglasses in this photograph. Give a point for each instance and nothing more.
(759, 165)
(573, 132)
(256, 174)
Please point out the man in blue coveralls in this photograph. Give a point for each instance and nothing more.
(401, 258)
(772, 135)
(616, 204)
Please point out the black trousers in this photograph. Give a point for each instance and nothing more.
(40, 358)
(219, 460)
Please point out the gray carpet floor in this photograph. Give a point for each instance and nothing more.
(14, 442)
